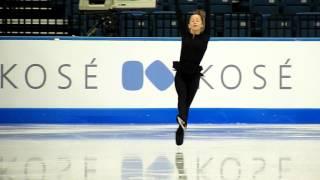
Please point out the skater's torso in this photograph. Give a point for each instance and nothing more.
(193, 46)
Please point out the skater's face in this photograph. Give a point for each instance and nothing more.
(195, 24)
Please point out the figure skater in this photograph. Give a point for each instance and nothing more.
(195, 39)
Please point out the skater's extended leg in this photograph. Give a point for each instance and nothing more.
(181, 88)
(192, 88)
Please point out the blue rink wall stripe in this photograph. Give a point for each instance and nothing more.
(84, 38)
(158, 115)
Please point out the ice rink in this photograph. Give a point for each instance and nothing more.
(149, 152)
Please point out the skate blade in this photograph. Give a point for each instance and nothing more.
(181, 123)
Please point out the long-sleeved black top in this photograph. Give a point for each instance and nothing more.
(193, 47)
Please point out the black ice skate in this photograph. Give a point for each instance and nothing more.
(179, 136)
(182, 123)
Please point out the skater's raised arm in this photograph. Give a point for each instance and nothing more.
(181, 24)
(207, 20)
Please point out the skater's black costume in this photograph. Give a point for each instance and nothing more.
(188, 68)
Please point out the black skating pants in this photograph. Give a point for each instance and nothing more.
(186, 87)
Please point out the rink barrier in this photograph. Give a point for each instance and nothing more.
(21, 112)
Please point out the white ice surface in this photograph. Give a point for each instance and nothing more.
(217, 152)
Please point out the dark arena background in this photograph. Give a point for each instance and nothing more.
(230, 18)
(87, 91)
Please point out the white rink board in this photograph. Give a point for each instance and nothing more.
(299, 89)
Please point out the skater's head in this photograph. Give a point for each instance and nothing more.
(197, 22)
